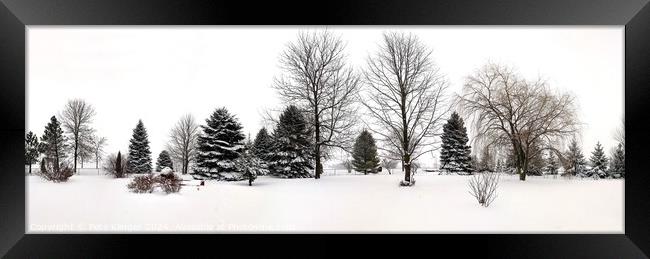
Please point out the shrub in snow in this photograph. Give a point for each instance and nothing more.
(115, 165)
(168, 181)
(142, 183)
(483, 187)
(53, 173)
(220, 144)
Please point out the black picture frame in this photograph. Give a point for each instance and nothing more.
(15, 15)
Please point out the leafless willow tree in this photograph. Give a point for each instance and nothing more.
(182, 143)
(405, 96)
(506, 109)
(76, 118)
(318, 81)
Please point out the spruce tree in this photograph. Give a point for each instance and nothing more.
(53, 142)
(617, 163)
(292, 154)
(598, 160)
(164, 160)
(220, 144)
(551, 164)
(263, 144)
(139, 161)
(118, 165)
(32, 149)
(575, 161)
(455, 153)
(364, 153)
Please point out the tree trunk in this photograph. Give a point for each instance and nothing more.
(407, 173)
(522, 176)
(30, 168)
(186, 164)
(76, 146)
(250, 182)
(319, 166)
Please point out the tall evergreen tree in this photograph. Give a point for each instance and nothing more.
(364, 153)
(617, 163)
(220, 144)
(53, 142)
(263, 144)
(599, 160)
(118, 165)
(455, 153)
(551, 164)
(139, 154)
(164, 160)
(575, 161)
(292, 154)
(32, 149)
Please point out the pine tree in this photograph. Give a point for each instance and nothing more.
(139, 154)
(364, 153)
(250, 166)
(53, 142)
(263, 144)
(164, 160)
(598, 160)
(220, 144)
(32, 149)
(455, 153)
(118, 165)
(575, 161)
(292, 154)
(617, 163)
(551, 164)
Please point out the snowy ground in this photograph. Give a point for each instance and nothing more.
(92, 203)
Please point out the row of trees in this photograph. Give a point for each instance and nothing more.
(72, 135)
(404, 95)
(455, 156)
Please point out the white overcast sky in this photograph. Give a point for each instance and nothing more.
(159, 73)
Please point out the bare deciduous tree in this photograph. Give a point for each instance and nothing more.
(76, 118)
(526, 115)
(317, 80)
(98, 144)
(619, 134)
(405, 96)
(182, 143)
(388, 164)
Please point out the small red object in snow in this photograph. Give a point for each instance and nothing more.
(202, 183)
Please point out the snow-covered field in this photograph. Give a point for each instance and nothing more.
(92, 203)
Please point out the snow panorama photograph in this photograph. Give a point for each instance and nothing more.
(325, 129)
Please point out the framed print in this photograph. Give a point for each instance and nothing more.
(184, 128)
